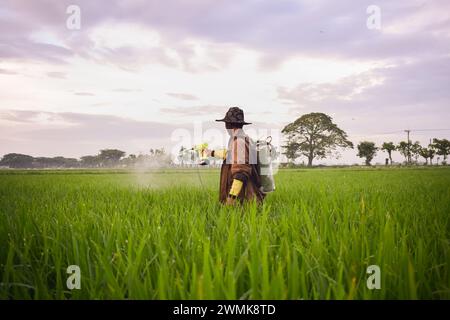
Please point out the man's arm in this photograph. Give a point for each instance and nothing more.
(219, 153)
(240, 167)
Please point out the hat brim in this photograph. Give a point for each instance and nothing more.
(224, 120)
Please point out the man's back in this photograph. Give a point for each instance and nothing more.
(241, 164)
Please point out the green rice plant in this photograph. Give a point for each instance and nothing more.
(163, 235)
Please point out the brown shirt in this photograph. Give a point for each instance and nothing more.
(241, 164)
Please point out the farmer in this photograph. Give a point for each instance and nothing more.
(239, 178)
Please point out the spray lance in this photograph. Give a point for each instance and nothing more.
(200, 152)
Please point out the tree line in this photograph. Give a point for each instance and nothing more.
(410, 151)
(315, 136)
(106, 158)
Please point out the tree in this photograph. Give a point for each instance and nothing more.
(442, 147)
(156, 159)
(316, 136)
(110, 157)
(44, 162)
(388, 147)
(17, 160)
(368, 150)
(55, 162)
(291, 151)
(129, 161)
(431, 154)
(415, 150)
(405, 150)
(426, 153)
(90, 161)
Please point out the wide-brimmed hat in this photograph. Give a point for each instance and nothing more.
(234, 115)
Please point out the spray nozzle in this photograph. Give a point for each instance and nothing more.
(201, 150)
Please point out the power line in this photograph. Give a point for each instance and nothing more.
(401, 131)
(391, 132)
(431, 130)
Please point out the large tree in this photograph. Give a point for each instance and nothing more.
(90, 161)
(388, 147)
(110, 157)
(17, 160)
(442, 147)
(316, 136)
(368, 150)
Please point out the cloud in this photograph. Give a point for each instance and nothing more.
(7, 72)
(182, 96)
(87, 94)
(76, 134)
(421, 81)
(18, 116)
(409, 95)
(126, 90)
(195, 111)
(57, 75)
(276, 29)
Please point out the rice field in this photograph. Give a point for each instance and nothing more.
(163, 235)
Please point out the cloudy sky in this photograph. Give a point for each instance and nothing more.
(137, 72)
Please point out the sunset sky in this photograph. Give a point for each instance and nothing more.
(138, 70)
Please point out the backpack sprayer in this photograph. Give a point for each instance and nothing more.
(266, 154)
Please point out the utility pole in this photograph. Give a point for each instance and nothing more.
(409, 148)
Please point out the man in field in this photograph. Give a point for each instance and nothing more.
(239, 177)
